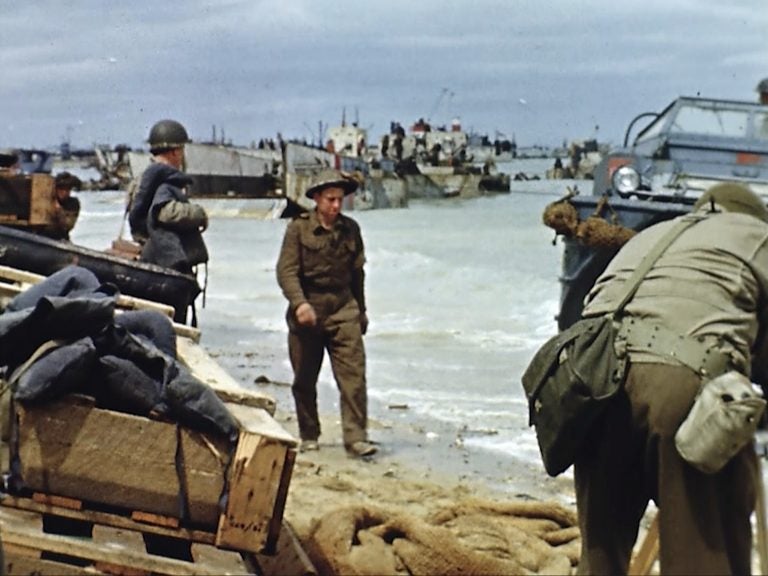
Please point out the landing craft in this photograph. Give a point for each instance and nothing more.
(681, 151)
(26, 209)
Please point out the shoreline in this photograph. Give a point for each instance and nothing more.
(435, 496)
(428, 450)
(419, 475)
(431, 449)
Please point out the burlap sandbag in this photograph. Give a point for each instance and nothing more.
(529, 533)
(472, 537)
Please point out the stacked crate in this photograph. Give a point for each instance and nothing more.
(105, 471)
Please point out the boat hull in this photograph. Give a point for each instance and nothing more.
(583, 264)
(41, 255)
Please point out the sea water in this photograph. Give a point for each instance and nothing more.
(460, 295)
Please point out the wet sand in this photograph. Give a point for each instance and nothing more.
(416, 472)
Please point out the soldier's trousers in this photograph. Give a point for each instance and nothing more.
(630, 458)
(340, 335)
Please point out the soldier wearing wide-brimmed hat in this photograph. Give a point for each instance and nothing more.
(320, 271)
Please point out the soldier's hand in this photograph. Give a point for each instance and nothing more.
(363, 323)
(202, 215)
(305, 314)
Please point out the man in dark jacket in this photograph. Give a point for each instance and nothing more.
(161, 216)
(320, 271)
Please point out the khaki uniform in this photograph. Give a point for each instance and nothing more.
(325, 268)
(711, 283)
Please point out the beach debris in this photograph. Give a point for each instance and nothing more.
(398, 406)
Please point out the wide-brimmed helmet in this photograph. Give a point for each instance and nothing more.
(733, 197)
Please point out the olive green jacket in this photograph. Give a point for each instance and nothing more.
(322, 267)
(711, 283)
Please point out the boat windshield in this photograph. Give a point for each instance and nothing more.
(711, 122)
(761, 125)
(716, 119)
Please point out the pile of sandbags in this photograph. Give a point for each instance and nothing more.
(471, 537)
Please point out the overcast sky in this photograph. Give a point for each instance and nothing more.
(542, 71)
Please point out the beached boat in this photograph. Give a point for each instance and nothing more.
(35, 253)
(690, 145)
(25, 210)
(223, 171)
(303, 162)
(434, 162)
(583, 157)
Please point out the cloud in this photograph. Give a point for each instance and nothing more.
(256, 67)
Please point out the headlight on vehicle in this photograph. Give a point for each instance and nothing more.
(625, 180)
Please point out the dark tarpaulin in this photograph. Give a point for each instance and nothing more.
(127, 362)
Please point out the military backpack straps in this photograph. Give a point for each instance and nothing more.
(572, 377)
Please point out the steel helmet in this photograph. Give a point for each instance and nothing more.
(734, 198)
(167, 134)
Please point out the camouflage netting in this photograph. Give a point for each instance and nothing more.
(469, 538)
(595, 231)
(563, 218)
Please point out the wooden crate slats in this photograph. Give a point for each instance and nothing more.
(257, 473)
(118, 459)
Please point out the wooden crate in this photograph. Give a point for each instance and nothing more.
(73, 449)
(27, 200)
(41, 199)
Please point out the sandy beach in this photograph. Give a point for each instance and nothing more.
(416, 481)
(419, 478)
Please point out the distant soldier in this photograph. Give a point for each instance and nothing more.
(66, 208)
(161, 216)
(9, 162)
(762, 90)
(320, 271)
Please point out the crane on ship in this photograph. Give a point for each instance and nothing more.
(444, 93)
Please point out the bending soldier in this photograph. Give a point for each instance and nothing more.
(708, 290)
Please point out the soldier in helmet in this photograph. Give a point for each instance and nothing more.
(161, 216)
(320, 271)
(707, 295)
(762, 91)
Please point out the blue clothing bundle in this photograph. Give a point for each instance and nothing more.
(62, 336)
